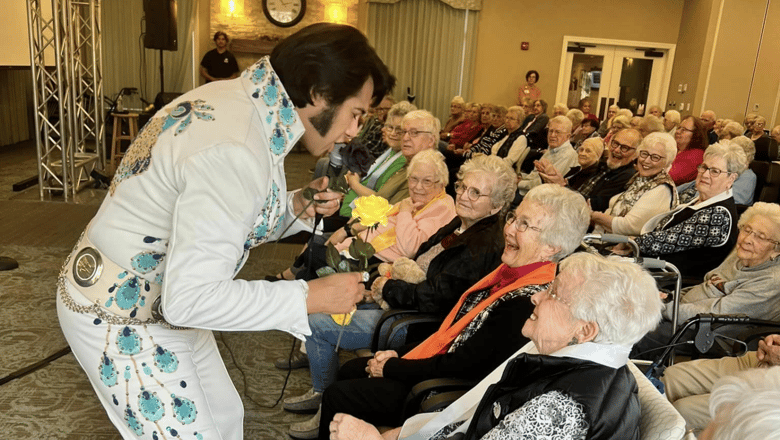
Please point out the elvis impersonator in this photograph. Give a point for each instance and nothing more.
(202, 184)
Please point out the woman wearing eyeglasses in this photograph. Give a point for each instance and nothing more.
(514, 147)
(746, 282)
(698, 235)
(483, 328)
(411, 222)
(467, 249)
(455, 257)
(385, 166)
(691, 137)
(650, 192)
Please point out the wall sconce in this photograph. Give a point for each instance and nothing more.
(336, 12)
(233, 8)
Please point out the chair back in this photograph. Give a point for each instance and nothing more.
(659, 419)
(767, 181)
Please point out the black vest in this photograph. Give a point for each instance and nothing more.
(608, 395)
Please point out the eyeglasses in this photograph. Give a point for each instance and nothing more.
(714, 172)
(655, 158)
(394, 129)
(425, 183)
(557, 133)
(759, 236)
(520, 225)
(471, 193)
(414, 133)
(623, 148)
(551, 293)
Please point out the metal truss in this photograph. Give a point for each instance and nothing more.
(68, 98)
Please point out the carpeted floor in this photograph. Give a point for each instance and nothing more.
(56, 401)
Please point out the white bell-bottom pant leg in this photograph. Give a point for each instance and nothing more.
(155, 382)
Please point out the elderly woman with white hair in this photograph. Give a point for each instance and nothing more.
(465, 250)
(745, 407)
(560, 109)
(695, 389)
(484, 328)
(730, 130)
(746, 282)
(672, 119)
(745, 186)
(574, 383)
(698, 235)
(757, 129)
(411, 222)
(514, 146)
(650, 192)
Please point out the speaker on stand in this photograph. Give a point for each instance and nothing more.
(161, 32)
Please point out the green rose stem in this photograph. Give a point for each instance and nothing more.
(341, 332)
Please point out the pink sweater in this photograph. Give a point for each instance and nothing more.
(684, 165)
(411, 231)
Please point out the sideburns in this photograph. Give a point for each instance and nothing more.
(323, 121)
(574, 341)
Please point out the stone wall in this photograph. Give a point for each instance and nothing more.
(253, 35)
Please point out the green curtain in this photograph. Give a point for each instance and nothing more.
(429, 46)
(123, 51)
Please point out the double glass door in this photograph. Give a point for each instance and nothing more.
(630, 77)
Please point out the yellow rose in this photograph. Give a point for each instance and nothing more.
(343, 318)
(371, 210)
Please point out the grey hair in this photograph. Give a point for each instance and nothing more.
(576, 116)
(747, 144)
(733, 154)
(744, 405)
(458, 100)
(733, 129)
(625, 112)
(432, 157)
(620, 121)
(673, 115)
(666, 140)
(770, 211)
(618, 295)
(519, 111)
(503, 178)
(653, 124)
(568, 217)
(759, 119)
(400, 109)
(560, 106)
(562, 120)
(597, 142)
(430, 123)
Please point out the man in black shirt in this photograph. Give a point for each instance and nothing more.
(219, 63)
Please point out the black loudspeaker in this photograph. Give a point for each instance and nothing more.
(160, 24)
(163, 99)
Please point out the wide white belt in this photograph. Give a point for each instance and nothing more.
(111, 287)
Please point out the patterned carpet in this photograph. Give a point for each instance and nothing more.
(57, 401)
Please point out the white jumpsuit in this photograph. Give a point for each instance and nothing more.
(201, 185)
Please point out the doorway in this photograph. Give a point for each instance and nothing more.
(633, 75)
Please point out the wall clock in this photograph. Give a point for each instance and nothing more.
(284, 13)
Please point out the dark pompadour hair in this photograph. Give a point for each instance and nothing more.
(330, 60)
